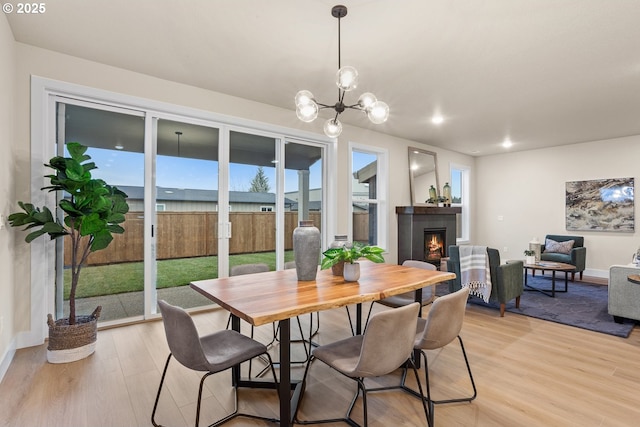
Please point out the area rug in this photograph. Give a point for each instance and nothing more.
(584, 306)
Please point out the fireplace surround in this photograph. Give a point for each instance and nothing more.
(418, 225)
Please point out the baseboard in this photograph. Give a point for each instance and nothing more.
(7, 358)
(603, 274)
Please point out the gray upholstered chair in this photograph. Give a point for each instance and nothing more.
(211, 353)
(441, 327)
(385, 346)
(577, 255)
(507, 280)
(408, 297)
(239, 270)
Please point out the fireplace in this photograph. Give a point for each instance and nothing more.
(435, 243)
(425, 233)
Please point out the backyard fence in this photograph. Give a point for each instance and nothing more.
(195, 234)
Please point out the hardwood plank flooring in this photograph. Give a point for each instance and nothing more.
(529, 372)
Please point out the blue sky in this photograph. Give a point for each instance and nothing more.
(127, 168)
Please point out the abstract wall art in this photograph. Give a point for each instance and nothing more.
(600, 205)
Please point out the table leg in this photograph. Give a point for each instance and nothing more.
(359, 319)
(284, 387)
(235, 370)
(553, 284)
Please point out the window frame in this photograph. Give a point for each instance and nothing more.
(382, 192)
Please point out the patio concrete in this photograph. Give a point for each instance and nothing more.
(130, 304)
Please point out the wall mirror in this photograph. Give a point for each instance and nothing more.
(423, 173)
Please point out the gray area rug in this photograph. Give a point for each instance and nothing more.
(584, 306)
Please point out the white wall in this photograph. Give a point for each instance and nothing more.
(7, 173)
(528, 190)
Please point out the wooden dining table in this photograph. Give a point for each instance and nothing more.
(278, 296)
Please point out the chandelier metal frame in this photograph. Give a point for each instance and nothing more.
(307, 107)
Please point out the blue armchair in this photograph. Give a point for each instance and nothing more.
(577, 256)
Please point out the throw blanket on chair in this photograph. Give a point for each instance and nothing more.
(474, 271)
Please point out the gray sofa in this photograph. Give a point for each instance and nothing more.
(624, 296)
(577, 256)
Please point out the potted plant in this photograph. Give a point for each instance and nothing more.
(530, 256)
(92, 211)
(350, 255)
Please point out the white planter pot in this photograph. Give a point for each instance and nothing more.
(530, 260)
(351, 272)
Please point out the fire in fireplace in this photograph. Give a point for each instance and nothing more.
(434, 245)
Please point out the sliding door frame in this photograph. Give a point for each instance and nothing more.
(45, 92)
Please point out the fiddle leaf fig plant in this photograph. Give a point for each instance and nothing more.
(333, 256)
(93, 211)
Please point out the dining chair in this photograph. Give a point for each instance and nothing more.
(238, 270)
(407, 298)
(386, 345)
(210, 353)
(442, 326)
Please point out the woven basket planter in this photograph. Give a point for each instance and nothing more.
(69, 343)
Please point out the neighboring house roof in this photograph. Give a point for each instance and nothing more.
(194, 195)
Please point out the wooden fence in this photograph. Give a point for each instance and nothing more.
(195, 234)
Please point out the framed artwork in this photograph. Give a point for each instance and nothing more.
(600, 205)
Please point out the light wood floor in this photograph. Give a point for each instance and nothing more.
(529, 372)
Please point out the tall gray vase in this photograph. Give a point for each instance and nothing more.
(306, 250)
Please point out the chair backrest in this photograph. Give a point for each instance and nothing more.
(453, 265)
(444, 321)
(419, 264)
(182, 337)
(388, 341)
(239, 270)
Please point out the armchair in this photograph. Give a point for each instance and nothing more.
(577, 255)
(506, 279)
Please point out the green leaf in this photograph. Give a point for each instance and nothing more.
(101, 240)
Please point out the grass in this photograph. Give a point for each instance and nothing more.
(129, 277)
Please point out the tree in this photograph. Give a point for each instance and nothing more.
(260, 182)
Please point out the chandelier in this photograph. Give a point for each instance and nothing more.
(307, 106)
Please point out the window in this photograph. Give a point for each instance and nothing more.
(460, 197)
(161, 207)
(266, 208)
(369, 218)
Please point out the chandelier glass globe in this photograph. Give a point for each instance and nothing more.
(333, 128)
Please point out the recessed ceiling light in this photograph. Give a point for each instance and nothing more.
(437, 119)
(119, 147)
(507, 143)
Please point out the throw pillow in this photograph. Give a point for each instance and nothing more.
(551, 246)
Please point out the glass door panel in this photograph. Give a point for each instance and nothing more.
(113, 277)
(186, 210)
(252, 199)
(303, 189)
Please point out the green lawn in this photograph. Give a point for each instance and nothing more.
(128, 277)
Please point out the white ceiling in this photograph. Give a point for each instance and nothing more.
(541, 72)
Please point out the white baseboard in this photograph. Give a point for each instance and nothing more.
(604, 274)
(7, 358)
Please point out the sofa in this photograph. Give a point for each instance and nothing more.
(624, 295)
(562, 251)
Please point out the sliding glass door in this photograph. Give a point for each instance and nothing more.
(113, 277)
(203, 196)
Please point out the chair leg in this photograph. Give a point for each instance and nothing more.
(459, 399)
(155, 405)
(503, 306)
(518, 301)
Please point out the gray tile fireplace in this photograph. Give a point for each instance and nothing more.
(425, 233)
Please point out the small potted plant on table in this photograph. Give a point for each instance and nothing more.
(530, 256)
(350, 256)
